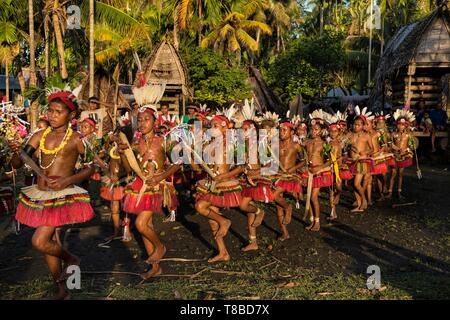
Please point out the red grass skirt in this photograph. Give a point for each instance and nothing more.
(320, 180)
(261, 191)
(292, 184)
(6, 200)
(404, 162)
(114, 194)
(344, 172)
(53, 208)
(390, 160)
(151, 200)
(380, 166)
(226, 194)
(361, 166)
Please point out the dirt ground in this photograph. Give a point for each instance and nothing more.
(410, 244)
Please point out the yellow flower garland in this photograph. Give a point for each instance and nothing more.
(58, 148)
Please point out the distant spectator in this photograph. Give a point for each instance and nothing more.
(439, 118)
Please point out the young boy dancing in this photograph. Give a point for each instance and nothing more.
(55, 200)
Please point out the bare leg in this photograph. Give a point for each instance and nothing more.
(287, 208)
(145, 227)
(400, 182)
(367, 185)
(284, 230)
(250, 208)
(206, 209)
(361, 198)
(315, 226)
(392, 183)
(337, 193)
(223, 252)
(44, 241)
(333, 215)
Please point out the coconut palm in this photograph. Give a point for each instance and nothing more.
(9, 47)
(232, 33)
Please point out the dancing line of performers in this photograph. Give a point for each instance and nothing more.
(138, 174)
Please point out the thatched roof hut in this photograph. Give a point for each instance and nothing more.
(265, 98)
(416, 64)
(165, 65)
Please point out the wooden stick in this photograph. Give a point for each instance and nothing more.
(182, 260)
(404, 204)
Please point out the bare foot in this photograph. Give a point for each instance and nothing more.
(223, 229)
(364, 205)
(220, 257)
(156, 255)
(156, 270)
(389, 195)
(250, 247)
(284, 237)
(357, 210)
(288, 215)
(382, 198)
(315, 226)
(258, 219)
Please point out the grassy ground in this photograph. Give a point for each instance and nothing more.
(410, 243)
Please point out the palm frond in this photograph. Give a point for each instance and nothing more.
(247, 40)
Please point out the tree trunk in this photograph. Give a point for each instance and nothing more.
(7, 80)
(47, 46)
(59, 41)
(175, 30)
(130, 76)
(32, 46)
(91, 48)
(278, 39)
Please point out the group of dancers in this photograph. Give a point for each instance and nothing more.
(139, 176)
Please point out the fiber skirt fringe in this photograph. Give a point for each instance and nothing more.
(380, 166)
(344, 172)
(292, 183)
(320, 180)
(408, 162)
(225, 194)
(261, 191)
(114, 194)
(151, 200)
(39, 208)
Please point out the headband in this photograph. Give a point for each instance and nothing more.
(222, 119)
(91, 122)
(66, 97)
(287, 124)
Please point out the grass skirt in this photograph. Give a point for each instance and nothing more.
(53, 208)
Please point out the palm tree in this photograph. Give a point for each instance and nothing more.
(91, 48)
(206, 11)
(32, 45)
(9, 47)
(53, 8)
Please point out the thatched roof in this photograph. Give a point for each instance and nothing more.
(104, 90)
(265, 98)
(165, 64)
(424, 43)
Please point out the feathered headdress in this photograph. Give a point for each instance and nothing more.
(271, 117)
(146, 97)
(169, 120)
(404, 116)
(382, 116)
(363, 114)
(66, 95)
(249, 110)
(298, 120)
(203, 112)
(319, 116)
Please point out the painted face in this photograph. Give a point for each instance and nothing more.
(145, 122)
(358, 125)
(316, 130)
(58, 114)
(343, 127)
(285, 133)
(86, 129)
(334, 132)
(301, 130)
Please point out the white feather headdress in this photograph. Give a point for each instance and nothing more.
(382, 116)
(270, 116)
(249, 110)
(363, 113)
(228, 112)
(402, 115)
(319, 116)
